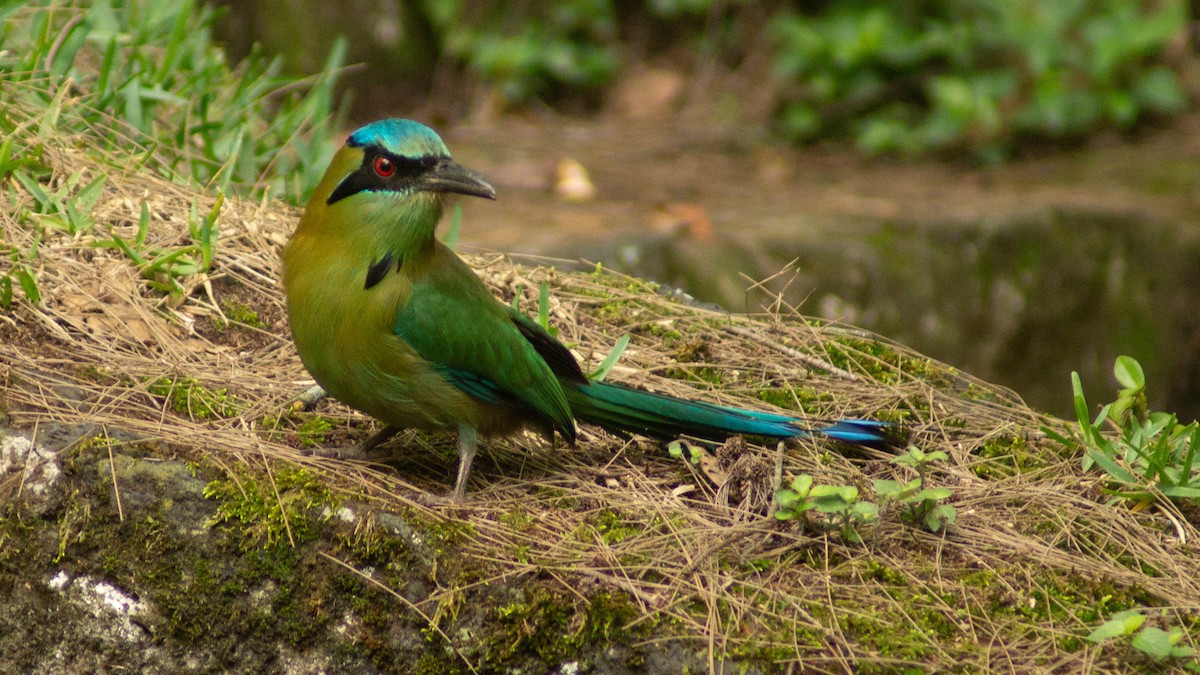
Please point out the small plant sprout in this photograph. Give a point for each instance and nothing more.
(847, 512)
(1156, 643)
(1123, 623)
(67, 209)
(920, 503)
(165, 266)
(25, 281)
(840, 505)
(793, 501)
(20, 268)
(204, 232)
(694, 453)
(1131, 399)
(1151, 455)
(516, 301)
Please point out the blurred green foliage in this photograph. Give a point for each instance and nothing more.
(980, 76)
(975, 74)
(569, 46)
(144, 79)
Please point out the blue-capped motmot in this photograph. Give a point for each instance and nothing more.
(391, 322)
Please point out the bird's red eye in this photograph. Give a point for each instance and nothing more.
(384, 167)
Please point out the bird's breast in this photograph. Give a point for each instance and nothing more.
(344, 333)
(341, 329)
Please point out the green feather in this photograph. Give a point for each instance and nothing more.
(452, 321)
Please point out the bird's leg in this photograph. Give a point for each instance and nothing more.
(467, 441)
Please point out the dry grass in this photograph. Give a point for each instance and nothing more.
(1013, 586)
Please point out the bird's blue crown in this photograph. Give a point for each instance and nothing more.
(401, 137)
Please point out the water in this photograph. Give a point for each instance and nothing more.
(1021, 301)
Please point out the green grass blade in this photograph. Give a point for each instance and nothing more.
(1081, 407)
(29, 285)
(1112, 468)
(543, 317)
(614, 355)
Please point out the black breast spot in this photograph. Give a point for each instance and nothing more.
(379, 269)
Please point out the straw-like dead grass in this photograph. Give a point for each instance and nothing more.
(1014, 585)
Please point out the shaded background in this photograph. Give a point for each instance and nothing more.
(1008, 186)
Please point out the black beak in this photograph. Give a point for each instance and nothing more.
(447, 176)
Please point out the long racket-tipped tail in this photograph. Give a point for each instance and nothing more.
(622, 409)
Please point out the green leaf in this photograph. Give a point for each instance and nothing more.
(1057, 437)
(887, 488)
(90, 194)
(1124, 623)
(833, 498)
(846, 493)
(209, 229)
(1110, 465)
(1101, 416)
(786, 498)
(48, 123)
(1156, 642)
(1158, 89)
(1180, 492)
(802, 484)
(31, 186)
(129, 251)
(143, 226)
(1125, 401)
(934, 494)
(940, 516)
(1129, 373)
(6, 163)
(68, 46)
(865, 510)
(29, 285)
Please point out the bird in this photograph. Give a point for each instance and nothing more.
(390, 321)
